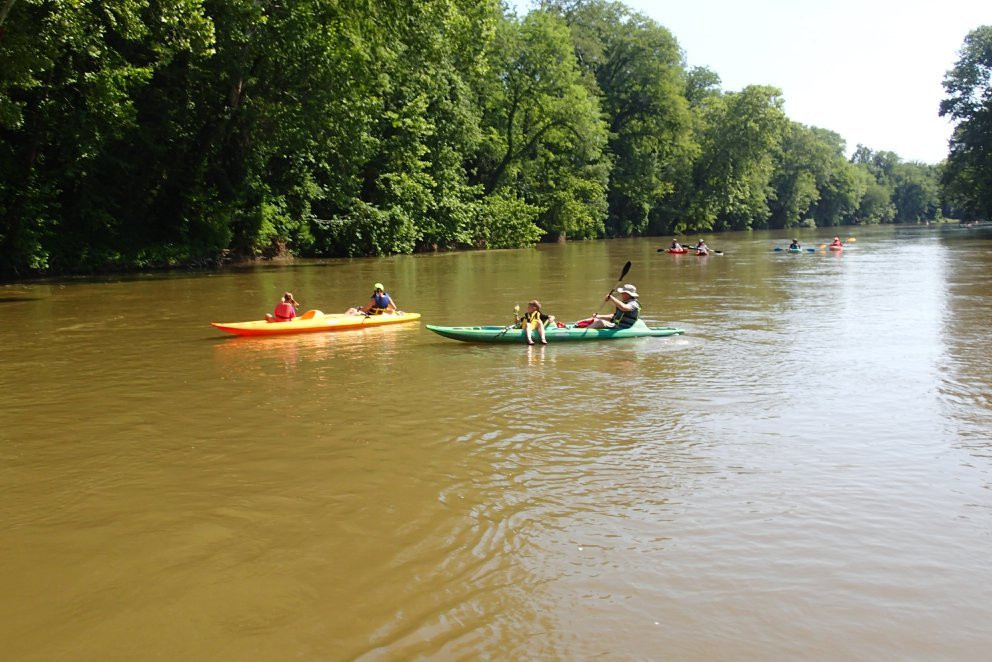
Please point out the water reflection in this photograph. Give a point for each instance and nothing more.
(965, 370)
(250, 355)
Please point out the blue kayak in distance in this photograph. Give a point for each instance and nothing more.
(500, 334)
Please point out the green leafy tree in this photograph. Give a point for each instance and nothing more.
(840, 184)
(425, 130)
(543, 137)
(638, 72)
(916, 193)
(740, 142)
(913, 189)
(968, 174)
(876, 205)
(802, 165)
(841, 193)
(70, 73)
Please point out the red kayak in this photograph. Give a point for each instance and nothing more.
(836, 248)
(678, 251)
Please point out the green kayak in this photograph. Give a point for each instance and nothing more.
(556, 334)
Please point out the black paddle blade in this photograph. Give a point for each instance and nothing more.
(626, 268)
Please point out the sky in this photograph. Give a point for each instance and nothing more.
(870, 70)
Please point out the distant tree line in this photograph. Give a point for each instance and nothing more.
(141, 133)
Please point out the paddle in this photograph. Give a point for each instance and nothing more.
(623, 273)
(516, 312)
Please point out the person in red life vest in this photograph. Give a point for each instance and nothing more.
(380, 302)
(836, 242)
(285, 310)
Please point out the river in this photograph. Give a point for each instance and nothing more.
(805, 473)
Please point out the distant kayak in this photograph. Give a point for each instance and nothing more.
(313, 321)
(500, 334)
(678, 251)
(795, 250)
(836, 248)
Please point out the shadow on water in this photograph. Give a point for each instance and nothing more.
(17, 299)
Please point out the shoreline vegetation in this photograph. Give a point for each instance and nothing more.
(138, 135)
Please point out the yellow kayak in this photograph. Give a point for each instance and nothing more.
(313, 321)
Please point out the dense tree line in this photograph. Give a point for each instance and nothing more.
(967, 175)
(139, 133)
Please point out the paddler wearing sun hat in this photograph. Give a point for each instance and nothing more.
(628, 309)
(380, 302)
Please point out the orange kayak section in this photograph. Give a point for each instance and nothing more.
(313, 321)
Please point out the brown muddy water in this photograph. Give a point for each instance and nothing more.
(805, 474)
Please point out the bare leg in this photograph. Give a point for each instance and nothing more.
(530, 341)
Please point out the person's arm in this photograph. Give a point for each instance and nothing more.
(391, 307)
(620, 304)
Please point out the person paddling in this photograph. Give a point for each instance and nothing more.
(285, 310)
(794, 246)
(702, 248)
(836, 242)
(380, 302)
(628, 309)
(676, 246)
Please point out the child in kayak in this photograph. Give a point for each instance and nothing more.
(794, 246)
(702, 248)
(285, 310)
(676, 246)
(380, 302)
(534, 318)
